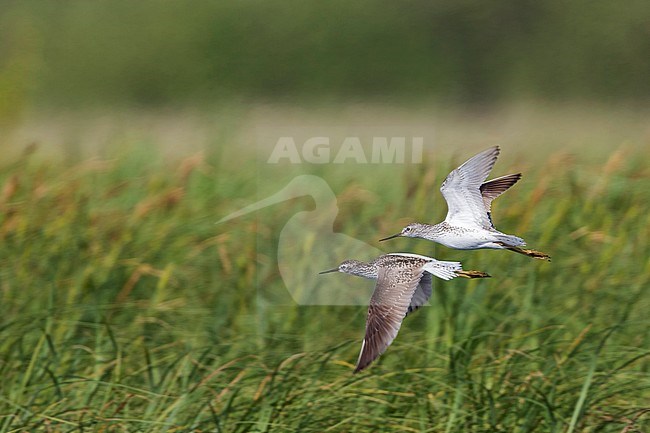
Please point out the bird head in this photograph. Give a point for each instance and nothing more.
(412, 230)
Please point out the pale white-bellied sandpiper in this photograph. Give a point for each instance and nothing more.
(468, 225)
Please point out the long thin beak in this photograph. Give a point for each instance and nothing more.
(390, 237)
(331, 270)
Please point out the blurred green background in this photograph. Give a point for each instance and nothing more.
(152, 53)
(128, 128)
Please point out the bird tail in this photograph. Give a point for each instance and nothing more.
(513, 243)
(510, 240)
(442, 269)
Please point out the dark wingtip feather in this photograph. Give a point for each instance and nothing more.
(495, 187)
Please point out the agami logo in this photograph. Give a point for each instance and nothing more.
(322, 150)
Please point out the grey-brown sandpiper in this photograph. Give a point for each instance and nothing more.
(403, 285)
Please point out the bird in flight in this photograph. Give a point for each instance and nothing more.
(468, 225)
(403, 285)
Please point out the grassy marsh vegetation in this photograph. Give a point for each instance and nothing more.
(124, 308)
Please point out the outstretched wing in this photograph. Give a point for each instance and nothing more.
(461, 190)
(494, 188)
(388, 306)
(422, 293)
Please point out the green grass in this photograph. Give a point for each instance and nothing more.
(125, 308)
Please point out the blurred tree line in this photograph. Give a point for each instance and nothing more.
(147, 52)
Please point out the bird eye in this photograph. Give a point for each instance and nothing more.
(407, 229)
